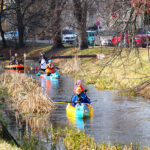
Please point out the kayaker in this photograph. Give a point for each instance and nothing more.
(50, 68)
(78, 83)
(15, 60)
(80, 97)
(43, 62)
(12, 61)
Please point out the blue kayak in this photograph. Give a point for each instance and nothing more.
(55, 75)
(39, 73)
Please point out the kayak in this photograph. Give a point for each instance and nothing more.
(55, 75)
(16, 68)
(39, 73)
(80, 110)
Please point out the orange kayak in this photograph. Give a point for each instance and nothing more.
(14, 68)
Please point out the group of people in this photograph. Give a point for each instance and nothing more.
(46, 65)
(79, 92)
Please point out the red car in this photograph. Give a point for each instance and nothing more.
(126, 40)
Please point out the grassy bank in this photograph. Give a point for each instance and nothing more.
(120, 69)
(26, 94)
(27, 98)
(74, 139)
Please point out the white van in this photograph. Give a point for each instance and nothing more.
(11, 35)
(69, 36)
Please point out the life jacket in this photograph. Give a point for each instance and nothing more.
(76, 87)
(43, 63)
(50, 68)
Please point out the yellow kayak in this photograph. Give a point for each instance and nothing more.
(80, 110)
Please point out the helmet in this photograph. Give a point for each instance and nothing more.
(78, 82)
(78, 89)
(50, 61)
(42, 54)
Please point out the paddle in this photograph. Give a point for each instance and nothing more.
(58, 101)
(57, 68)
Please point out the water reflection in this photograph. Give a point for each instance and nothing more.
(49, 84)
(80, 123)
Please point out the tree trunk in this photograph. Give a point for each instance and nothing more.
(57, 27)
(3, 38)
(21, 36)
(83, 44)
(57, 40)
(20, 24)
(2, 35)
(1, 29)
(80, 12)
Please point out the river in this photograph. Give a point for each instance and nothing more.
(117, 119)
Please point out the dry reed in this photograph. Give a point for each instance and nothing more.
(26, 94)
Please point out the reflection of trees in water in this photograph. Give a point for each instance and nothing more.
(38, 126)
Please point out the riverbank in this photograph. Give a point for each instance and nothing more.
(115, 70)
(26, 94)
(74, 139)
(23, 98)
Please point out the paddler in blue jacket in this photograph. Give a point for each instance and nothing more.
(80, 97)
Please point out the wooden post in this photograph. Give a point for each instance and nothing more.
(10, 54)
(24, 62)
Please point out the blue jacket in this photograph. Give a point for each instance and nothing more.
(82, 98)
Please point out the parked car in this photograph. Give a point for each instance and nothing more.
(69, 36)
(125, 40)
(11, 35)
(90, 37)
(104, 38)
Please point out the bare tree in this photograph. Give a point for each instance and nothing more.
(21, 14)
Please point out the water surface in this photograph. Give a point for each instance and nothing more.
(117, 119)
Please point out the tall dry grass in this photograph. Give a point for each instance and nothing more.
(26, 94)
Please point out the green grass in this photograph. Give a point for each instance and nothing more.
(123, 71)
(74, 139)
(38, 49)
